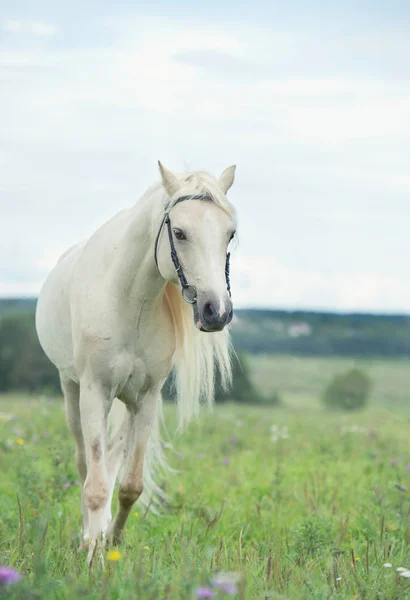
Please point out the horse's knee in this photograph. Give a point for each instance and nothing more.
(95, 494)
(129, 493)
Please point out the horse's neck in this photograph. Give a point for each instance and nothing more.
(137, 283)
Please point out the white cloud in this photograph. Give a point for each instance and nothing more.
(321, 154)
(264, 282)
(34, 28)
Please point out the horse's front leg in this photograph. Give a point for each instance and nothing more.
(141, 419)
(95, 403)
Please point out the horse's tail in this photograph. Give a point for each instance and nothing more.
(154, 460)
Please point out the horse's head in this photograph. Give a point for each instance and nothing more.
(192, 244)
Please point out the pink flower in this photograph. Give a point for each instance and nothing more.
(204, 592)
(226, 582)
(227, 460)
(9, 576)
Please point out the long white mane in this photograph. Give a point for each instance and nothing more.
(199, 357)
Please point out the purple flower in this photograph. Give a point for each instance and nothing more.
(8, 576)
(227, 582)
(234, 440)
(204, 592)
(407, 467)
(393, 462)
(227, 460)
(67, 485)
(228, 588)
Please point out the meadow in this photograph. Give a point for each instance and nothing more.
(289, 502)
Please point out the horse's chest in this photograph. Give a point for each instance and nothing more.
(149, 362)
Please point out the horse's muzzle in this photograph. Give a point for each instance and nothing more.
(209, 317)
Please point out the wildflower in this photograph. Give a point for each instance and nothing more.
(114, 555)
(234, 440)
(357, 559)
(20, 441)
(393, 462)
(67, 485)
(227, 460)
(405, 574)
(338, 579)
(136, 515)
(407, 467)
(285, 432)
(227, 582)
(6, 417)
(9, 576)
(204, 592)
(277, 432)
(401, 569)
(387, 565)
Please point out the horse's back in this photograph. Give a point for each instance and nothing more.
(53, 319)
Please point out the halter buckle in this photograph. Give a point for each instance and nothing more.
(189, 294)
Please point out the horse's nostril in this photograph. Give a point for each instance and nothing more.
(209, 311)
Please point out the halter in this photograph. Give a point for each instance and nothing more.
(189, 292)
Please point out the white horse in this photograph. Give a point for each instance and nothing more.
(112, 318)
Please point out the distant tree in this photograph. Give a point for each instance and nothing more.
(349, 391)
(242, 389)
(23, 364)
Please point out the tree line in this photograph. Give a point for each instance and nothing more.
(23, 364)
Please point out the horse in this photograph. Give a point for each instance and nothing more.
(148, 293)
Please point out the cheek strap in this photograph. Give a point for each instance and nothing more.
(189, 292)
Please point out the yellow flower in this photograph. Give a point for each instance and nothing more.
(357, 558)
(114, 555)
(19, 441)
(136, 515)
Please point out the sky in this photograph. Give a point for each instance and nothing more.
(311, 100)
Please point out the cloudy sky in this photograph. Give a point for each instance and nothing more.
(310, 99)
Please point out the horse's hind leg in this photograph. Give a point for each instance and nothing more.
(71, 391)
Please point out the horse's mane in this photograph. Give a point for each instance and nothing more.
(199, 357)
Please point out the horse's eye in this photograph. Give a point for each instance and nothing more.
(179, 234)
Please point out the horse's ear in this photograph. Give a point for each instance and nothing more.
(227, 178)
(170, 181)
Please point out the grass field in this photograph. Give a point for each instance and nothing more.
(301, 380)
(296, 502)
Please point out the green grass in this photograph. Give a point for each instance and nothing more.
(300, 380)
(286, 515)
